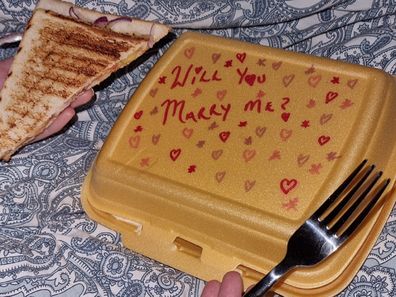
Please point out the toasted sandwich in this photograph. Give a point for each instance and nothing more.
(65, 50)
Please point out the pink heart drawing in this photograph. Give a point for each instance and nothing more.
(219, 176)
(221, 94)
(134, 141)
(314, 80)
(302, 159)
(215, 57)
(217, 154)
(352, 83)
(189, 52)
(285, 134)
(287, 79)
(249, 154)
(324, 118)
(260, 131)
(276, 65)
(197, 92)
(287, 185)
(249, 184)
(187, 132)
(155, 138)
(153, 92)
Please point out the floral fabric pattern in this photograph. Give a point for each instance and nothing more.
(48, 245)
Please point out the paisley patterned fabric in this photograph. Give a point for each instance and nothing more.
(49, 247)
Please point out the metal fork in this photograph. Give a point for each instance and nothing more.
(319, 236)
(10, 38)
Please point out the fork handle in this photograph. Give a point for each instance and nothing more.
(265, 284)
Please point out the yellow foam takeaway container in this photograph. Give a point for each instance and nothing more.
(227, 147)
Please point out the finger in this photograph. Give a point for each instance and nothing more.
(63, 118)
(211, 289)
(232, 285)
(5, 67)
(82, 98)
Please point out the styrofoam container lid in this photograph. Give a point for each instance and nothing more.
(227, 147)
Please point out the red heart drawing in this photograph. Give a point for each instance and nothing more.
(220, 176)
(224, 135)
(276, 65)
(221, 94)
(215, 57)
(322, 140)
(285, 116)
(187, 132)
(189, 52)
(249, 184)
(250, 79)
(324, 118)
(352, 83)
(260, 131)
(134, 141)
(287, 79)
(198, 69)
(248, 154)
(217, 154)
(314, 80)
(153, 92)
(302, 159)
(331, 96)
(174, 154)
(241, 57)
(138, 114)
(286, 185)
(155, 138)
(285, 134)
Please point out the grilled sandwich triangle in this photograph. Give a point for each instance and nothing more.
(65, 50)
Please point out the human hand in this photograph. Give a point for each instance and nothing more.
(64, 117)
(230, 286)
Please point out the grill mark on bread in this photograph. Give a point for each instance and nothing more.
(108, 47)
(45, 89)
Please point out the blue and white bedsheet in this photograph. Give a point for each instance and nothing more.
(49, 247)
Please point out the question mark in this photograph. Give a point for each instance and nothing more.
(286, 101)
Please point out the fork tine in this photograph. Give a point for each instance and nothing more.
(364, 212)
(356, 204)
(347, 198)
(338, 191)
